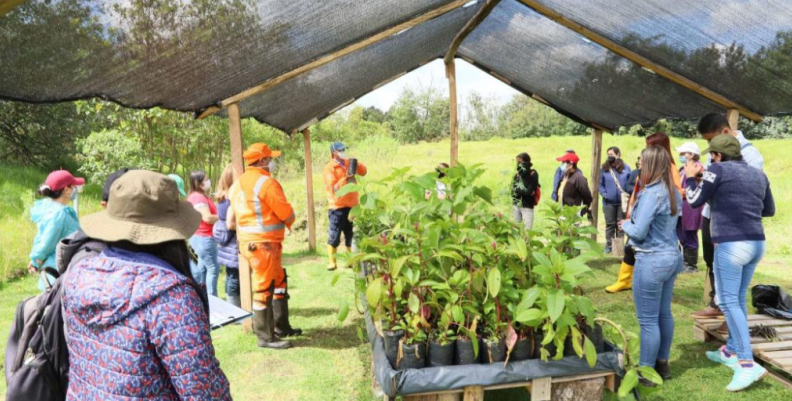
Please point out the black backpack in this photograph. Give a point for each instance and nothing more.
(37, 357)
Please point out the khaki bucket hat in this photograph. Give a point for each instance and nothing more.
(144, 208)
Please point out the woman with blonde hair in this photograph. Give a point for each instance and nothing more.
(652, 231)
(227, 248)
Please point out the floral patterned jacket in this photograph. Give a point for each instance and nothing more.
(137, 330)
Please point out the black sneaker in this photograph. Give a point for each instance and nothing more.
(662, 369)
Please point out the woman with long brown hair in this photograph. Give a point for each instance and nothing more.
(624, 280)
(227, 248)
(652, 231)
(207, 270)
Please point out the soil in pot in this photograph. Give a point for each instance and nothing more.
(522, 350)
(413, 356)
(440, 354)
(463, 352)
(596, 337)
(551, 348)
(494, 351)
(391, 340)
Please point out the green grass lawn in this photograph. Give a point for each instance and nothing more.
(330, 362)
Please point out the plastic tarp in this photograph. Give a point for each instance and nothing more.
(427, 380)
(311, 96)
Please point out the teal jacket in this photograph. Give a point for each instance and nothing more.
(55, 222)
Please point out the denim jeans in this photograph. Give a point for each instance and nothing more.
(735, 263)
(232, 281)
(207, 270)
(653, 290)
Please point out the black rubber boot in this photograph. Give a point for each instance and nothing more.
(264, 326)
(662, 369)
(283, 328)
(234, 300)
(690, 257)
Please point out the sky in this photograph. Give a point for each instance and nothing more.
(469, 79)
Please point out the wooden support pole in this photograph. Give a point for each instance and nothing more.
(733, 115)
(309, 211)
(452, 100)
(235, 130)
(636, 58)
(474, 22)
(596, 157)
(362, 44)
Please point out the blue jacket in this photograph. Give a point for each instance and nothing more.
(651, 227)
(227, 249)
(55, 222)
(559, 175)
(607, 187)
(738, 195)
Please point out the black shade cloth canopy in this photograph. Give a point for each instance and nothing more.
(188, 55)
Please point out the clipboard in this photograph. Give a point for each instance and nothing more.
(222, 313)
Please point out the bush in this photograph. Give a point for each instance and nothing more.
(106, 151)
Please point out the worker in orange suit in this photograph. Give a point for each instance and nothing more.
(339, 172)
(260, 214)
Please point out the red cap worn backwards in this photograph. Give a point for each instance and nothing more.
(569, 158)
(60, 179)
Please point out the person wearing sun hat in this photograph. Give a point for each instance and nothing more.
(136, 303)
(55, 220)
(260, 214)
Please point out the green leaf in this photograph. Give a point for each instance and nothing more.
(520, 248)
(475, 342)
(374, 292)
(591, 352)
(494, 281)
(650, 374)
(397, 264)
(414, 303)
(576, 342)
(529, 315)
(628, 383)
(542, 259)
(347, 189)
(484, 193)
(335, 279)
(343, 312)
(449, 254)
(459, 315)
(530, 296)
(555, 304)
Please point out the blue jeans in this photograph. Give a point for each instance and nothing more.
(232, 281)
(735, 263)
(207, 270)
(653, 290)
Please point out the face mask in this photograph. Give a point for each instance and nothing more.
(271, 166)
(564, 166)
(611, 159)
(683, 159)
(342, 155)
(207, 185)
(74, 193)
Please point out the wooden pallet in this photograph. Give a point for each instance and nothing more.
(770, 354)
(540, 389)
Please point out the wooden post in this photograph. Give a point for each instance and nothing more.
(235, 130)
(596, 157)
(310, 212)
(733, 115)
(454, 128)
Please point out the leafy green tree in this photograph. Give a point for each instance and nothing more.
(105, 151)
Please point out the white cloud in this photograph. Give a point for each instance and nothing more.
(469, 79)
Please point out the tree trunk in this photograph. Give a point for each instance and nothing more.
(584, 390)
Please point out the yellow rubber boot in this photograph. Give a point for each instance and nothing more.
(331, 253)
(624, 281)
(349, 250)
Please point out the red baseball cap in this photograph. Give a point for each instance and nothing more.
(569, 158)
(60, 179)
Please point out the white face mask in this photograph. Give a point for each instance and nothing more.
(342, 155)
(207, 185)
(272, 166)
(564, 166)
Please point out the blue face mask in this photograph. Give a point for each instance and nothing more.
(74, 194)
(683, 159)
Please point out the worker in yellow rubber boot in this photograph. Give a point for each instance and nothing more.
(260, 214)
(339, 172)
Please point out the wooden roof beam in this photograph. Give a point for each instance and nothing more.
(468, 28)
(641, 60)
(7, 5)
(333, 56)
